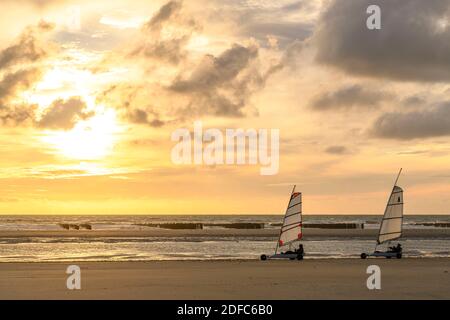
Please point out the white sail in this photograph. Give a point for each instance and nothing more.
(391, 225)
(292, 223)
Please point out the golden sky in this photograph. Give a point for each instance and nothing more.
(91, 92)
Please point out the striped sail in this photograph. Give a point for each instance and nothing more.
(292, 223)
(391, 225)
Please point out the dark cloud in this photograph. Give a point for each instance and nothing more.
(60, 115)
(337, 150)
(295, 6)
(217, 71)
(28, 48)
(13, 82)
(432, 122)
(257, 20)
(350, 97)
(413, 43)
(415, 100)
(166, 12)
(170, 50)
(154, 44)
(20, 70)
(284, 31)
(221, 85)
(64, 114)
(131, 102)
(17, 115)
(138, 116)
(128, 99)
(148, 117)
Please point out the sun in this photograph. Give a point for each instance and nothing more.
(91, 139)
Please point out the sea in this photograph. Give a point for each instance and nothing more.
(61, 249)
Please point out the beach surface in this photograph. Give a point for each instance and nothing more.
(308, 279)
(156, 232)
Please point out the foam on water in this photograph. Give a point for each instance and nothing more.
(116, 249)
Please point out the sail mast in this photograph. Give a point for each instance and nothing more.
(284, 220)
(398, 177)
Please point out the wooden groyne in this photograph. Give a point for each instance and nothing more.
(240, 225)
(434, 224)
(247, 225)
(334, 225)
(194, 226)
(175, 226)
(328, 225)
(74, 226)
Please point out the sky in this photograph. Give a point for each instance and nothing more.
(90, 94)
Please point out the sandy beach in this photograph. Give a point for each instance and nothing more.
(308, 279)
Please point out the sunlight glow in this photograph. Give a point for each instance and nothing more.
(89, 140)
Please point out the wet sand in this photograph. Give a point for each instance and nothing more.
(308, 279)
(155, 232)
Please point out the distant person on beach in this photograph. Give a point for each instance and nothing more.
(397, 248)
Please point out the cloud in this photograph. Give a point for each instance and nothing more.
(285, 32)
(148, 117)
(156, 44)
(165, 13)
(13, 82)
(64, 114)
(28, 48)
(131, 100)
(350, 97)
(217, 71)
(210, 85)
(21, 69)
(413, 43)
(10, 85)
(144, 142)
(259, 19)
(337, 150)
(414, 100)
(170, 51)
(17, 115)
(221, 85)
(432, 122)
(60, 115)
(37, 3)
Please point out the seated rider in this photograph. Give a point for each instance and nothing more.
(397, 248)
(300, 250)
